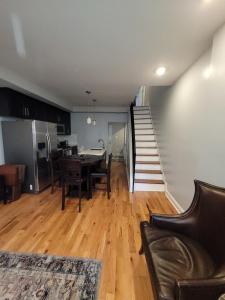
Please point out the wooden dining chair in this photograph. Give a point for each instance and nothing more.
(2, 189)
(54, 163)
(102, 173)
(71, 174)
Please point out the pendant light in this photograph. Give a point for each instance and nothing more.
(94, 119)
(88, 120)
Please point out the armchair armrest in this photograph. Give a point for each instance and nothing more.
(207, 289)
(178, 222)
(183, 223)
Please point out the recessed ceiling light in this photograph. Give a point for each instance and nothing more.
(207, 73)
(160, 71)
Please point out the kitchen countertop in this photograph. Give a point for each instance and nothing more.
(99, 152)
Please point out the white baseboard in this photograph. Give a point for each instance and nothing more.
(173, 201)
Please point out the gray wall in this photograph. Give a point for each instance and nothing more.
(88, 135)
(2, 158)
(190, 121)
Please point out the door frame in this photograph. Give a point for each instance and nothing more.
(109, 144)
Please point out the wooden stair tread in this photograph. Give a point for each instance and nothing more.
(142, 123)
(142, 118)
(142, 108)
(146, 147)
(146, 141)
(144, 134)
(149, 181)
(148, 171)
(142, 154)
(148, 162)
(143, 129)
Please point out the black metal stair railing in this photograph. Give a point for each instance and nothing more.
(133, 140)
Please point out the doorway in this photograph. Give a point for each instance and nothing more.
(116, 144)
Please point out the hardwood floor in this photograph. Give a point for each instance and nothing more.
(105, 229)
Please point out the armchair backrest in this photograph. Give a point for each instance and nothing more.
(207, 215)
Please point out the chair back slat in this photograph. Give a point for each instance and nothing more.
(109, 166)
(55, 157)
(71, 170)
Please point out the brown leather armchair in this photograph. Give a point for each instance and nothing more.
(185, 253)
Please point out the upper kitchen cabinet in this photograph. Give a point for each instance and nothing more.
(18, 105)
(4, 103)
(24, 107)
(67, 122)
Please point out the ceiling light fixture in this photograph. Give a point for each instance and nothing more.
(160, 71)
(88, 120)
(94, 119)
(207, 73)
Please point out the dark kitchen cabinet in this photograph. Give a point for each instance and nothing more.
(30, 107)
(41, 111)
(67, 122)
(4, 104)
(18, 105)
(61, 118)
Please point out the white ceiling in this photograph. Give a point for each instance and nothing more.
(108, 47)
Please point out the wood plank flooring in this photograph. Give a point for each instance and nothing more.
(105, 229)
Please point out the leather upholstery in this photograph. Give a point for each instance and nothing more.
(186, 253)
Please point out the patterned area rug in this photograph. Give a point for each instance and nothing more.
(43, 277)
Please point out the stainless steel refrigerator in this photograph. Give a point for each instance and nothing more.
(30, 142)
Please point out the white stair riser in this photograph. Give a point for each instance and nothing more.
(147, 158)
(145, 121)
(148, 176)
(145, 117)
(146, 144)
(140, 107)
(149, 187)
(143, 126)
(143, 138)
(142, 112)
(144, 131)
(146, 151)
(147, 167)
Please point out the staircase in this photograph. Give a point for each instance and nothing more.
(148, 174)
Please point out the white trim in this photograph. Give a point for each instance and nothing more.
(173, 201)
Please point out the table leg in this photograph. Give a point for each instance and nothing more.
(89, 183)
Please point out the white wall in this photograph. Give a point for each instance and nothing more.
(88, 135)
(190, 121)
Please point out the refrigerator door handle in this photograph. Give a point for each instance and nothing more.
(47, 146)
(50, 144)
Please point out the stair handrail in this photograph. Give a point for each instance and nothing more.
(133, 140)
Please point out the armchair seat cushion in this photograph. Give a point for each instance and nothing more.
(172, 257)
